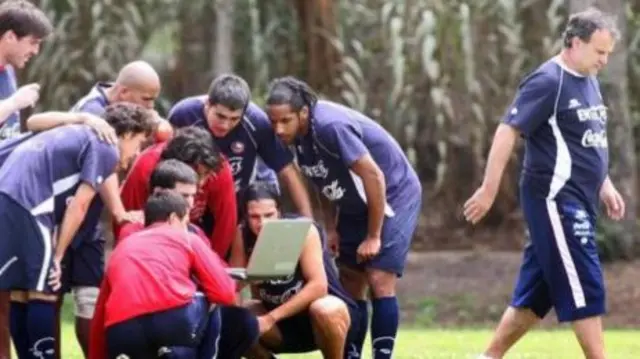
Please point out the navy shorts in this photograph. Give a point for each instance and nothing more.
(147, 335)
(26, 249)
(397, 233)
(561, 267)
(297, 332)
(83, 266)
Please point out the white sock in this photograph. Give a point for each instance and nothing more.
(482, 356)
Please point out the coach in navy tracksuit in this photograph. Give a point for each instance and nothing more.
(560, 112)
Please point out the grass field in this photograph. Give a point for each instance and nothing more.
(452, 344)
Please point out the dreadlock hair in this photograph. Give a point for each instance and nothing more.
(291, 91)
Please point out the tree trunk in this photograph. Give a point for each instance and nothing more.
(223, 54)
(623, 158)
(317, 22)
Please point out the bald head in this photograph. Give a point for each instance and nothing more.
(137, 82)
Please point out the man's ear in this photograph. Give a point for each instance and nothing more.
(304, 113)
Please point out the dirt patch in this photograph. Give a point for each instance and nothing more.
(472, 288)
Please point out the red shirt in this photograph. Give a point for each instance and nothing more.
(150, 271)
(217, 194)
(130, 228)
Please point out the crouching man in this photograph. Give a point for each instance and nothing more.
(306, 312)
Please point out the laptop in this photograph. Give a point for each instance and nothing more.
(276, 252)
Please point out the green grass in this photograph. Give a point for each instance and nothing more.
(452, 344)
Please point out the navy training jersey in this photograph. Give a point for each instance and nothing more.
(95, 102)
(246, 146)
(561, 115)
(274, 293)
(8, 86)
(339, 136)
(45, 170)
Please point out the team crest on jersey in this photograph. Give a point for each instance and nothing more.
(236, 165)
(237, 147)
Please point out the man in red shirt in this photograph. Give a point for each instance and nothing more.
(215, 199)
(148, 299)
(239, 327)
(175, 176)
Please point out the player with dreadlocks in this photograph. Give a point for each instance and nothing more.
(363, 173)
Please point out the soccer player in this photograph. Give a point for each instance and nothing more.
(46, 186)
(83, 265)
(242, 132)
(137, 82)
(362, 170)
(559, 111)
(307, 311)
(22, 28)
(214, 208)
(148, 299)
(176, 176)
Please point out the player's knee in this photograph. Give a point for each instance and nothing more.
(85, 299)
(382, 283)
(354, 282)
(330, 311)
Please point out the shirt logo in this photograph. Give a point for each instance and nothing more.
(594, 113)
(573, 103)
(333, 191)
(236, 165)
(591, 138)
(237, 147)
(319, 170)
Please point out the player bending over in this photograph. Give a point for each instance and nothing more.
(47, 184)
(215, 200)
(307, 311)
(83, 263)
(242, 132)
(362, 171)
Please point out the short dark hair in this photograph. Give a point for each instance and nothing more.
(194, 146)
(127, 117)
(169, 172)
(24, 19)
(291, 91)
(230, 91)
(162, 204)
(259, 190)
(583, 24)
